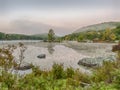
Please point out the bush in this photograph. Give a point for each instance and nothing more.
(7, 80)
(58, 71)
(101, 86)
(116, 79)
(70, 72)
(81, 77)
(36, 71)
(104, 73)
(6, 58)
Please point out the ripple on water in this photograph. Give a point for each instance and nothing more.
(61, 54)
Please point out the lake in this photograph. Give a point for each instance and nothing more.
(67, 53)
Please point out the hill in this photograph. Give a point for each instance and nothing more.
(103, 32)
(42, 36)
(97, 27)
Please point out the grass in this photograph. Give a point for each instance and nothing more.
(106, 77)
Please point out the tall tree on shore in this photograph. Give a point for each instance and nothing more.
(51, 35)
(106, 34)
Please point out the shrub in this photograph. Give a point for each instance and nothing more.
(58, 71)
(116, 79)
(81, 77)
(7, 80)
(104, 73)
(6, 58)
(36, 71)
(72, 82)
(69, 72)
(101, 86)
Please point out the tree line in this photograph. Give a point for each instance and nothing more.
(4, 36)
(102, 35)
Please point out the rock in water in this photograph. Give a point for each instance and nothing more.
(87, 62)
(97, 61)
(24, 66)
(41, 56)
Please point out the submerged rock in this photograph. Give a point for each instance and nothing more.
(24, 66)
(87, 62)
(41, 56)
(97, 61)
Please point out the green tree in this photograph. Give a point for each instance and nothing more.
(80, 38)
(51, 35)
(2, 35)
(112, 36)
(67, 37)
(7, 37)
(106, 34)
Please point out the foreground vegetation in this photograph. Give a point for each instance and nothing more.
(105, 77)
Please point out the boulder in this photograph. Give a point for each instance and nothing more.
(41, 56)
(23, 66)
(87, 62)
(97, 61)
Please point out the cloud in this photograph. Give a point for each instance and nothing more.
(31, 27)
(55, 4)
(38, 16)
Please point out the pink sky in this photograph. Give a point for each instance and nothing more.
(33, 16)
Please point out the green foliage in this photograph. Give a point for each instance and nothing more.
(101, 86)
(7, 80)
(102, 35)
(104, 73)
(116, 79)
(80, 38)
(117, 31)
(37, 71)
(6, 57)
(73, 82)
(58, 71)
(70, 72)
(4, 36)
(68, 79)
(51, 35)
(81, 77)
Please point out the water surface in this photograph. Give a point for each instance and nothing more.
(66, 53)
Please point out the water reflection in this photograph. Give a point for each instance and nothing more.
(51, 48)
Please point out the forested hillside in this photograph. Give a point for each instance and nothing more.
(107, 34)
(4, 36)
(98, 27)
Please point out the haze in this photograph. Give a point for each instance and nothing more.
(64, 16)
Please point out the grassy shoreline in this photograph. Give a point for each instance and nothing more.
(64, 79)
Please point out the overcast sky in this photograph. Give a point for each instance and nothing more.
(65, 16)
